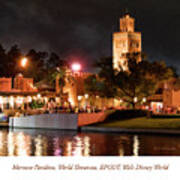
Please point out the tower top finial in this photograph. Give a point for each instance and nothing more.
(126, 12)
(127, 23)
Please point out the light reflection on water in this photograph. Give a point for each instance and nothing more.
(40, 145)
(135, 145)
(67, 143)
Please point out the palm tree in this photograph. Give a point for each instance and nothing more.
(61, 76)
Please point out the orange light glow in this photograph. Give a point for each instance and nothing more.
(24, 62)
(76, 67)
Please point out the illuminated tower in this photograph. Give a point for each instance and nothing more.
(125, 41)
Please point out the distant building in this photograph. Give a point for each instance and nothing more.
(15, 92)
(167, 97)
(23, 84)
(125, 41)
(76, 88)
(5, 84)
(171, 94)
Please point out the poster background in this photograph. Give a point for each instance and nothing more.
(107, 168)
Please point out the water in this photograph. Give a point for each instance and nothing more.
(32, 142)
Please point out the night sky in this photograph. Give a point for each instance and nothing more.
(81, 30)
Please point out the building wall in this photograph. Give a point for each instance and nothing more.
(23, 84)
(167, 98)
(171, 93)
(120, 47)
(176, 98)
(5, 84)
(171, 98)
(76, 87)
(71, 89)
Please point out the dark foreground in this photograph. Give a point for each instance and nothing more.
(29, 142)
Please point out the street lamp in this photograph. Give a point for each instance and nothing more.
(144, 100)
(86, 100)
(135, 99)
(120, 102)
(39, 96)
(24, 62)
(86, 96)
(79, 98)
(76, 67)
(79, 101)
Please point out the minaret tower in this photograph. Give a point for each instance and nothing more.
(127, 24)
(125, 41)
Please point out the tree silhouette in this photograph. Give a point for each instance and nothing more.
(139, 81)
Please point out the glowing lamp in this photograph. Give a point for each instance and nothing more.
(76, 67)
(144, 99)
(29, 99)
(79, 98)
(24, 62)
(39, 96)
(1, 100)
(135, 99)
(86, 96)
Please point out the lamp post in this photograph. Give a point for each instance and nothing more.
(144, 100)
(86, 100)
(23, 64)
(79, 101)
(38, 96)
(120, 102)
(86, 96)
(135, 101)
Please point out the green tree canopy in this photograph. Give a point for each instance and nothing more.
(140, 80)
(9, 66)
(40, 63)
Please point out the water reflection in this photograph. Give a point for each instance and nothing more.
(68, 148)
(40, 146)
(3, 140)
(57, 146)
(11, 144)
(22, 144)
(18, 144)
(65, 143)
(86, 146)
(135, 146)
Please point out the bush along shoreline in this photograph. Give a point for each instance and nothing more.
(120, 115)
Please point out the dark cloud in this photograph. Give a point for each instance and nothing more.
(83, 28)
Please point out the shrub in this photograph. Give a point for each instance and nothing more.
(126, 114)
(166, 116)
(36, 104)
